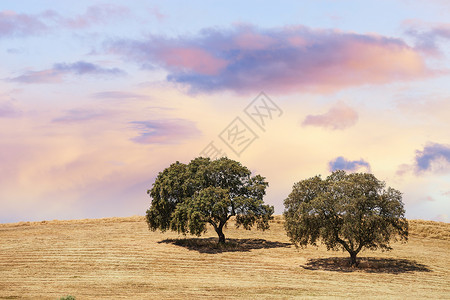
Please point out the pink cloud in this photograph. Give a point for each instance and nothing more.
(429, 199)
(192, 59)
(247, 59)
(253, 41)
(404, 169)
(117, 95)
(44, 76)
(155, 11)
(80, 115)
(9, 110)
(14, 24)
(340, 116)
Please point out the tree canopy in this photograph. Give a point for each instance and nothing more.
(187, 197)
(345, 211)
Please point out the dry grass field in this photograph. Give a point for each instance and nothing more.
(119, 258)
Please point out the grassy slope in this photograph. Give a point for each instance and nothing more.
(120, 258)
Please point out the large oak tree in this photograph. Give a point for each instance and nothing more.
(345, 211)
(187, 197)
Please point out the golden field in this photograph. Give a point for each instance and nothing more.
(119, 258)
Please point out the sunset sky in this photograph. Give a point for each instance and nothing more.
(97, 97)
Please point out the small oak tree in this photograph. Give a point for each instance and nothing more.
(345, 211)
(188, 197)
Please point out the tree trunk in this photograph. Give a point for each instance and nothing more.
(221, 237)
(220, 233)
(353, 262)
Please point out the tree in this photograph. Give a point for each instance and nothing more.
(345, 211)
(188, 197)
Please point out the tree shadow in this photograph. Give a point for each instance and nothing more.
(367, 265)
(211, 245)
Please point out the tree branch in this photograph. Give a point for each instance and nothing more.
(213, 224)
(343, 243)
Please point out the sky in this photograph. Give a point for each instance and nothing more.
(98, 97)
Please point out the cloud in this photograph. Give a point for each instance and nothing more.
(44, 76)
(247, 59)
(156, 12)
(13, 51)
(429, 199)
(81, 68)
(425, 107)
(427, 35)
(9, 110)
(79, 115)
(117, 95)
(56, 73)
(340, 163)
(96, 14)
(168, 131)
(340, 116)
(434, 157)
(403, 169)
(13, 24)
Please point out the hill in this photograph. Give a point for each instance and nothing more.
(119, 258)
